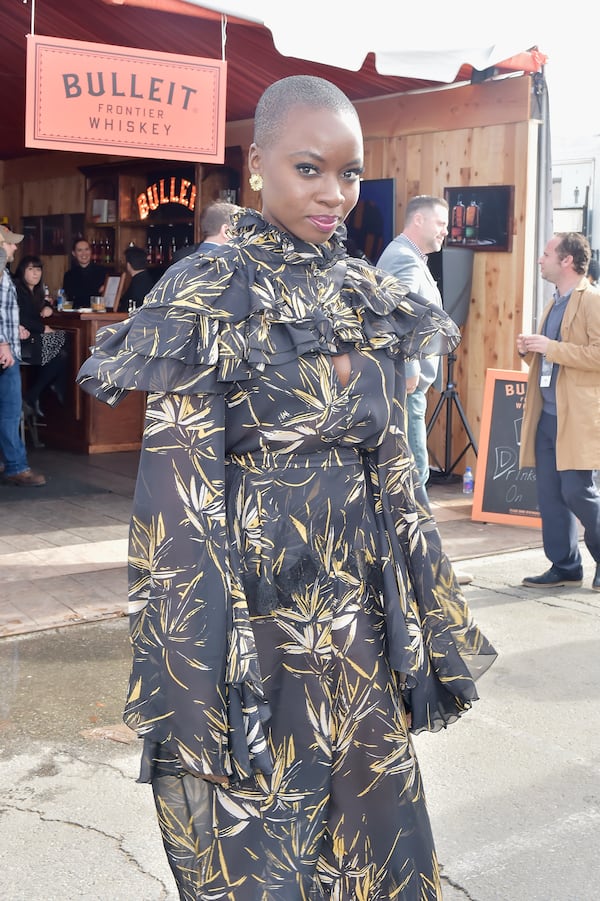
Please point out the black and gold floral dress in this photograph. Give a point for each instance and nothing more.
(290, 600)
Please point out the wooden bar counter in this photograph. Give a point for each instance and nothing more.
(84, 424)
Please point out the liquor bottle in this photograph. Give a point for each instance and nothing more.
(472, 221)
(457, 222)
(107, 252)
(172, 248)
(150, 251)
(468, 481)
(159, 257)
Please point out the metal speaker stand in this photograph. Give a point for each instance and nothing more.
(449, 399)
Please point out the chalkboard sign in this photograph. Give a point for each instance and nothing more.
(503, 492)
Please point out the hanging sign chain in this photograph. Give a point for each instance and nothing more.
(223, 35)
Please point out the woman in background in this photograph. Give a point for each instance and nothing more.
(45, 348)
(293, 616)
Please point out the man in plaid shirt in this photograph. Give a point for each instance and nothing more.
(13, 452)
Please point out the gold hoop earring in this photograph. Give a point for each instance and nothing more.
(256, 182)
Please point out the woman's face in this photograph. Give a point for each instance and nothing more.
(311, 173)
(32, 275)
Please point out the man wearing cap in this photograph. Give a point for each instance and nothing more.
(12, 449)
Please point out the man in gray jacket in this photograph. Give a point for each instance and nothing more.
(425, 228)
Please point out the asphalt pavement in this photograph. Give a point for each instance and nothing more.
(513, 788)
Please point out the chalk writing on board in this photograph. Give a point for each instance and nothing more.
(503, 492)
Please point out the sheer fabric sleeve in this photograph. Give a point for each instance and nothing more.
(195, 687)
(434, 642)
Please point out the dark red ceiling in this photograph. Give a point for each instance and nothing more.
(253, 62)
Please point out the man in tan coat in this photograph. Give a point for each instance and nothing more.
(560, 435)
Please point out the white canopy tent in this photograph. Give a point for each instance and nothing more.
(429, 41)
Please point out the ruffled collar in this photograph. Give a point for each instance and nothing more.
(262, 299)
(250, 228)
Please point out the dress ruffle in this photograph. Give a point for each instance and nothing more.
(260, 300)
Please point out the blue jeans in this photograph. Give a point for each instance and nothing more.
(11, 446)
(416, 405)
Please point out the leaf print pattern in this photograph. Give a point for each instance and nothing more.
(290, 600)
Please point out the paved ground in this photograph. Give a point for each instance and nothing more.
(513, 788)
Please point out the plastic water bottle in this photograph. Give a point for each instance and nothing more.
(468, 481)
(60, 299)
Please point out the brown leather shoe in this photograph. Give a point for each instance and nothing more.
(26, 479)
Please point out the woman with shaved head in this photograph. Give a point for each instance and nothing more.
(293, 615)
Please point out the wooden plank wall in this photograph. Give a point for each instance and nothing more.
(470, 135)
(425, 164)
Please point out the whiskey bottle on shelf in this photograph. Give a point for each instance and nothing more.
(159, 256)
(150, 251)
(457, 222)
(472, 222)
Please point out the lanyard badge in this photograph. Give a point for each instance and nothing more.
(546, 373)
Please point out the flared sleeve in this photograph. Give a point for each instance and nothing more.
(434, 643)
(195, 687)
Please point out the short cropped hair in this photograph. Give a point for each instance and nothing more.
(214, 216)
(137, 258)
(296, 90)
(423, 202)
(576, 245)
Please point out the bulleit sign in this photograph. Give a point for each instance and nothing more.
(122, 101)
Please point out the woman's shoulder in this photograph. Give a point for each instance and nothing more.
(394, 316)
(186, 338)
(25, 298)
(212, 284)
